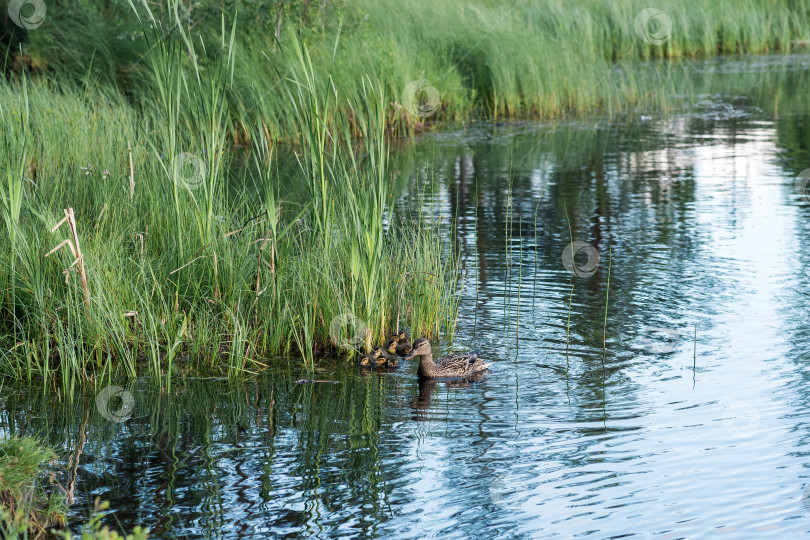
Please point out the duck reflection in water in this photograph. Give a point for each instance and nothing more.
(421, 403)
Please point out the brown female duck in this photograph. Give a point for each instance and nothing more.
(453, 366)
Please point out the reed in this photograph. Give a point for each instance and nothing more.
(170, 278)
(526, 59)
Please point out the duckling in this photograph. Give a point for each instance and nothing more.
(368, 361)
(393, 341)
(392, 362)
(403, 347)
(379, 359)
(453, 366)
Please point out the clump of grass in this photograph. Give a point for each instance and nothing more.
(26, 510)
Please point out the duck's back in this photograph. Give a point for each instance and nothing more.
(459, 365)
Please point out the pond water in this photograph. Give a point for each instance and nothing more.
(661, 394)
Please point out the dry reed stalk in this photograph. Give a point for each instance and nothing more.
(188, 263)
(139, 236)
(100, 214)
(75, 249)
(73, 462)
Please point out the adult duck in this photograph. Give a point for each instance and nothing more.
(453, 366)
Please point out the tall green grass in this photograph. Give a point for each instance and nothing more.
(214, 275)
(521, 59)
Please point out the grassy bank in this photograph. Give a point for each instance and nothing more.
(141, 245)
(149, 230)
(533, 58)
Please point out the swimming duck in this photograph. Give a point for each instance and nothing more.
(453, 366)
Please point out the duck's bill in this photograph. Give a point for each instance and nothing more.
(409, 355)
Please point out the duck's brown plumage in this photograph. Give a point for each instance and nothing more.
(453, 366)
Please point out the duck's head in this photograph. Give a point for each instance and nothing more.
(420, 346)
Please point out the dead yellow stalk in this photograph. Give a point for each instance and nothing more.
(75, 249)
